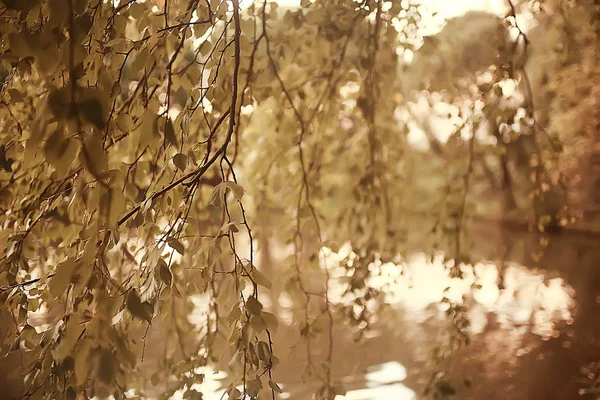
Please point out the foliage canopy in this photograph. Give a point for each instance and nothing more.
(150, 148)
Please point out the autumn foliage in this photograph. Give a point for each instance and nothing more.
(149, 150)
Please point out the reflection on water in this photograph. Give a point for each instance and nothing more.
(382, 382)
(520, 297)
(514, 310)
(211, 387)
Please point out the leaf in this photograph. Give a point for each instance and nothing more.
(234, 393)
(180, 161)
(148, 311)
(237, 190)
(117, 206)
(58, 12)
(58, 102)
(253, 387)
(338, 390)
(273, 385)
(62, 277)
(82, 362)
(259, 278)
(263, 351)
(176, 244)
(93, 155)
(148, 131)
(137, 308)
(253, 306)
(270, 321)
(70, 393)
(170, 137)
(6, 163)
(15, 96)
(60, 152)
(140, 60)
(68, 338)
(93, 106)
(83, 23)
(230, 227)
(18, 44)
(165, 274)
(258, 325)
(107, 367)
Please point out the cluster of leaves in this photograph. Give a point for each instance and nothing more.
(118, 194)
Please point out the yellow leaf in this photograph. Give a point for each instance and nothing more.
(237, 190)
(273, 385)
(139, 62)
(259, 278)
(117, 206)
(165, 274)
(82, 362)
(60, 152)
(170, 137)
(176, 244)
(253, 387)
(93, 155)
(62, 277)
(253, 306)
(69, 337)
(258, 325)
(107, 366)
(180, 161)
(58, 12)
(94, 107)
(137, 308)
(18, 45)
(270, 321)
(147, 129)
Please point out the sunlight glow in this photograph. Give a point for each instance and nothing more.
(418, 284)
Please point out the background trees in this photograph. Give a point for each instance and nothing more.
(151, 149)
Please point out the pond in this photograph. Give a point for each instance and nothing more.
(533, 336)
